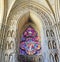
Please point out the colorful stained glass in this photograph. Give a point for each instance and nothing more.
(29, 44)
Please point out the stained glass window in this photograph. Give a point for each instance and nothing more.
(29, 44)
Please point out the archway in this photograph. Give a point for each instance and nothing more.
(34, 25)
(41, 18)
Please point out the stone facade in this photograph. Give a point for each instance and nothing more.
(45, 16)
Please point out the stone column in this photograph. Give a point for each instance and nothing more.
(9, 44)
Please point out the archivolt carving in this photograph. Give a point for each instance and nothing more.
(56, 57)
(54, 44)
(17, 12)
(47, 33)
(10, 33)
(9, 45)
(51, 58)
(52, 33)
(6, 57)
(1, 44)
(11, 57)
(49, 44)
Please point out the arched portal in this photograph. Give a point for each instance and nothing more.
(29, 36)
(16, 23)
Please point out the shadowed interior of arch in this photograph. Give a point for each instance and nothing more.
(29, 35)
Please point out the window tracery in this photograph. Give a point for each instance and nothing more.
(30, 44)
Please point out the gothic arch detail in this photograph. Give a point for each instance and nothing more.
(41, 18)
